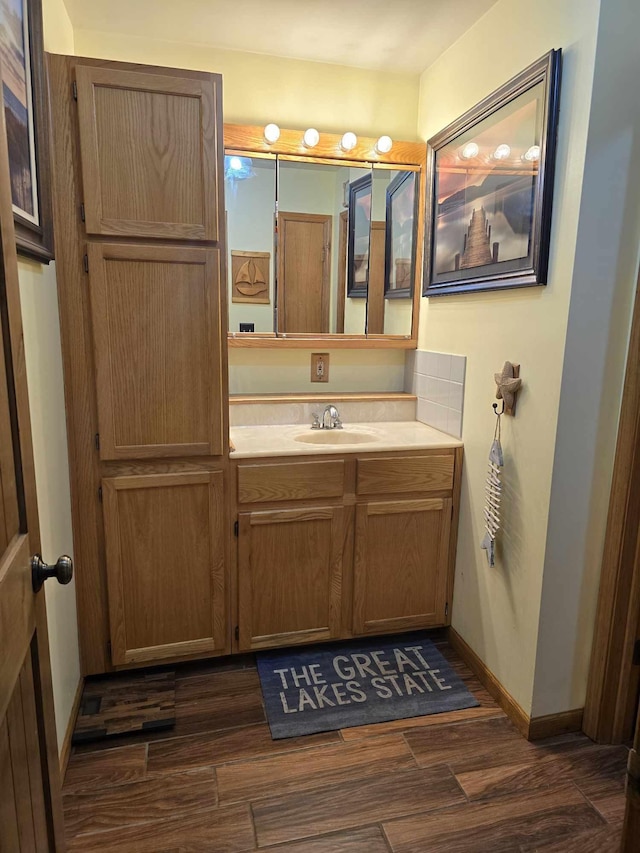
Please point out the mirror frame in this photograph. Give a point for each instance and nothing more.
(250, 139)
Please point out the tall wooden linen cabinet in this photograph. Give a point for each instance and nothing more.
(140, 261)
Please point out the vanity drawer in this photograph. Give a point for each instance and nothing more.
(290, 481)
(405, 474)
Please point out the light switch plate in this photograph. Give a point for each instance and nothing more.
(319, 366)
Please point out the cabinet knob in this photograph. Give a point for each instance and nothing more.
(40, 571)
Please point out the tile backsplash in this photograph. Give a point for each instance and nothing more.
(437, 378)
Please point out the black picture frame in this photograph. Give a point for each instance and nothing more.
(396, 224)
(34, 239)
(358, 278)
(520, 189)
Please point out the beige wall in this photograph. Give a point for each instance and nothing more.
(497, 609)
(46, 401)
(293, 93)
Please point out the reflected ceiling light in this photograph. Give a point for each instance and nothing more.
(502, 152)
(384, 144)
(348, 141)
(532, 153)
(272, 133)
(235, 164)
(470, 150)
(311, 137)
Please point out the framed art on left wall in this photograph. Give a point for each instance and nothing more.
(24, 92)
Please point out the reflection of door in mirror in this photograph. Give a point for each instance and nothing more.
(304, 264)
(315, 189)
(375, 295)
(250, 192)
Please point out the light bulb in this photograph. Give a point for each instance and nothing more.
(502, 152)
(470, 150)
(384, 144)
(235, 164)
(348, 141)
(532, 153)
(272, 133)
(311, 137)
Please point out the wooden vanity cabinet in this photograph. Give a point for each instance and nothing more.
(345, 546)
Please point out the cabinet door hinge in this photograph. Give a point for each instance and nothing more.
(446, 610)
(85, 263)
(74, 90)
(100, 493)
(236, 528)
(237, 633)
(82, 213)
(96, 441)
(636, 653)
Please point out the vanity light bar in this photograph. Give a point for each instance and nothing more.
(311, 137)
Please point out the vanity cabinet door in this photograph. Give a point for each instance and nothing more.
(290, 576)
(151, 152)
(165, 565)
(156, 324)
(400, 565)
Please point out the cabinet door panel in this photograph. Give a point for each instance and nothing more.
(149, 149)
(165, 564)
(290, 576)
(156, 327)
(400, 565)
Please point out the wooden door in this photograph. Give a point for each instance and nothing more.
(304, 272)
(141, 178)
(631, 828)
(157, 338)
(343, 238)
(400, 564)
(165, 564)
(30, 802)
(289, 576)
(375, 289)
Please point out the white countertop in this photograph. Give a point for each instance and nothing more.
(284, 440)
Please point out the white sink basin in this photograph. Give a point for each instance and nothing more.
(336, 436)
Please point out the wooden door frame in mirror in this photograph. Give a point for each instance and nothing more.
(250, 138)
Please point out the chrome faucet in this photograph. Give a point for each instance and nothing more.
(331, 418)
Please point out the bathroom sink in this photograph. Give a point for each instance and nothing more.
(336, 436)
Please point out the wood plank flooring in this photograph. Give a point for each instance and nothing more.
(460, 782)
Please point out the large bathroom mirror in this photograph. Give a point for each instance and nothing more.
(321, 246)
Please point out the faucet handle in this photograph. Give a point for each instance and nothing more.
(316, 420)
(337, 423)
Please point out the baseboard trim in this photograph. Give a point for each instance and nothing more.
(556, 724)
(65, 749)
(533, 728)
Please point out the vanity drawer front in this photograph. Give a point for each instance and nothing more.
(405, 474)
(290, 481)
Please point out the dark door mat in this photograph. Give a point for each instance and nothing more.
(131, 702)
(341, 685)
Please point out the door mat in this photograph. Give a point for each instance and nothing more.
(340, 685)
(119, 704)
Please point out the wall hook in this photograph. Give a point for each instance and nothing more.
(509, 383)
(495, 409)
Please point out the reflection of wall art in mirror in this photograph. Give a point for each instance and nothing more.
(490, 188)
(359, 221)
(250, 277)
(400, 240)
(26, 113)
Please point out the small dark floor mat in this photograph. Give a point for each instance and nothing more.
(132, 702)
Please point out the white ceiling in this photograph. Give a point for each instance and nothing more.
(392, 35)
